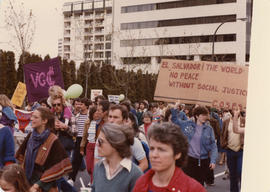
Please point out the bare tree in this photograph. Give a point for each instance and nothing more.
(21, 24)
(130, 63)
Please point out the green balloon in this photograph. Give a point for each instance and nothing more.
(74, 91)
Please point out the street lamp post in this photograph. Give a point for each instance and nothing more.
(214, 35)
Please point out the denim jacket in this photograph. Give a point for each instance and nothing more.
(208, 143)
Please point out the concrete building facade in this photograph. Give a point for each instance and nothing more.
(87, 31)
(145, 31)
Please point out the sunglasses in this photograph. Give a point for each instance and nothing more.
(100, 141)
(56, 104)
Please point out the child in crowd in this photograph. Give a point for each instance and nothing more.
(13, 179)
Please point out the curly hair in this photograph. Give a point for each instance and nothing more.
(169, 133)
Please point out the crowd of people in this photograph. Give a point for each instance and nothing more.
(124, 147)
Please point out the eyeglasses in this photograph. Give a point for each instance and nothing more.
(56, 104)
(100, 141)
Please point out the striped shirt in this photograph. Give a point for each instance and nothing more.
(80, 124)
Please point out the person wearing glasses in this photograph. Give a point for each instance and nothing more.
(65, 127)
(115, 172)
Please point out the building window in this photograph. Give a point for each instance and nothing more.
(136, 60)
(177, 40)
(178, 22)
(219, 57)
(178, 57)
(108, 54)
(171, 5)
(108, 45)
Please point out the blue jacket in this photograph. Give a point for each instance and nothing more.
(182, 116)
(7, 148)
(208, 143)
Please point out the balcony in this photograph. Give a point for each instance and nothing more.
(99, 32)
(99, 16)
(88, 16)
(108, 3)
(66, 34)
(99, 24)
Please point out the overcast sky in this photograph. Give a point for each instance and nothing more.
(49, 24)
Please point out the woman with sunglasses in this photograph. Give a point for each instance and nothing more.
(115, 172)
(168, 153)
(43, 157)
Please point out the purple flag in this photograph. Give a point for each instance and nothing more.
(40, 76)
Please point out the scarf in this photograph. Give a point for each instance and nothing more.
(34, 142)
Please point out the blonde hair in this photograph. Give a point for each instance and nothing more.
(56, 92)
(5, 101)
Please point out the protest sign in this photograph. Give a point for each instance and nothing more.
(199, 82)
(19, 94)
(40, 76)
(113, 99)
(95, 92)
(23, 118)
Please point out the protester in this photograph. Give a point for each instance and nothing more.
(137, 132)
(119, 115)
(89, 140)
(140, 111)
(13, 179)
(64, 124)
(115, 172)
(77, 158)
(161, 108)
(8, 117)
(214, 123)
(76, 106)
(127, 104)
(236, 128)
(64, 128)
(147, 121)
(44, 103)
(99, 98)
(188, 111)
(7, 147)
(141, 136)
(233, 142)
(38, 153)
(32, 106)
(181, 114)
(201, 143)
(168, 152)
(153, 108)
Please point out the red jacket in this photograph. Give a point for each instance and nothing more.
(180, 182)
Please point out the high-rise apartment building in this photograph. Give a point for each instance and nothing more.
(60, 47)
(87, 31)
(145, 31)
